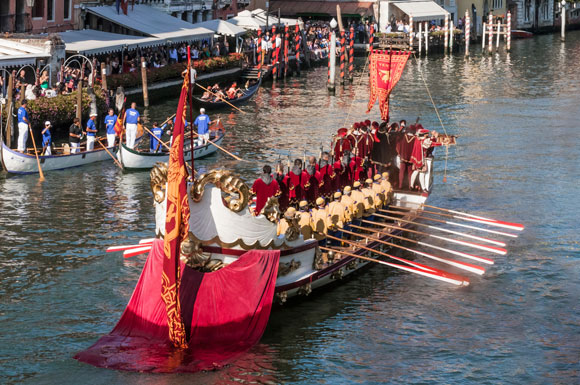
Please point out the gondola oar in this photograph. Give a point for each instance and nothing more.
(492, 249)
(474, 257)
(462, 217)
(460, 265)
(454, 224)
(40, 173)
(113, 249)
(111, 155)
(509, 225)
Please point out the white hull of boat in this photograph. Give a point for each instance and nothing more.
(135, 160)
(18, 163)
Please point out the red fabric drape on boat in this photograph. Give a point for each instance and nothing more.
(225, 313)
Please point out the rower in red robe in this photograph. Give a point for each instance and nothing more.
(297, 181)
(284, 198)
(405, 147)
(312, 188)
(342, 170)
(327, 173)
(341, 143)
(264, 187)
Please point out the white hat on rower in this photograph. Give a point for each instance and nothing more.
(202, 110)
(47, 123)
(93, 114)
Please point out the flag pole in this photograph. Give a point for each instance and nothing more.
(190, 92)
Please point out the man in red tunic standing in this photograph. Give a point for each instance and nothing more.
(405, 146)
(264, 187)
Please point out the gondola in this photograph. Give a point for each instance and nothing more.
(135, 159)
(209, 105)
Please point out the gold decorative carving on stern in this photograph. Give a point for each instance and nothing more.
(281, 297)
(272, 210)
(305, 289)
(238, 192)
(337, 274)
(288, 267)
(292, 233)
(318, 259)
(158, 181)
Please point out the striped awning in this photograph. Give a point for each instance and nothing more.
(16, 54)
(91, 42)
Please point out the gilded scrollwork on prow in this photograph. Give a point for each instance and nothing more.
(272, 210)
(318, 262)
(158, 181)
(192, 254)
(238, 192)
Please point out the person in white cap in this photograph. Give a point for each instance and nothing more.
(46, 139)
(91, 131)
(202, 123)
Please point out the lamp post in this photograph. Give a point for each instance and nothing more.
(332, 56)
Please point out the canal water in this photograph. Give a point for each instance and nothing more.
(517, 117)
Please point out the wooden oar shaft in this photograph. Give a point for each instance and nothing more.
(40, 173)
(111, 155)
(221, 148)
(218, 96)
(461, 265)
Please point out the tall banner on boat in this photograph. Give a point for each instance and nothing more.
(176, 224)
(386, 68)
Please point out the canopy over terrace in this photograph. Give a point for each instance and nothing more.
(322, 8)
(222, 27)
(256, 19)
(15, 54)
(420, 10)
(91, 42)
(148, 21)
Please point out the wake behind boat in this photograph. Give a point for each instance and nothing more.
(140, 159)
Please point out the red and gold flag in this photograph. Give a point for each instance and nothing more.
(176, 224)
(386, 68)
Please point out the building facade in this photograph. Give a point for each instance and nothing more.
(193, 11)
(532, 14)
(479, 11)
(38, 16)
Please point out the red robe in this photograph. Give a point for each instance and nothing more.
(405, 147)
(296, 186)
(312, 187)
(340, 146)
(264, 191)
(283, 199)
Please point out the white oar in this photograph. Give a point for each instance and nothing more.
(136, 251)
(492, 249)
(490, 221)
(474, 257)
(113, 249)
(425, 273)
(455, 224)
(460, 265)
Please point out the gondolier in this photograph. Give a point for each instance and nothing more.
(155, 139)
(202, 123)
(23, 125)
(132, 119)
(75, 134)
(46, 139)
(110, 121)
(91, 131)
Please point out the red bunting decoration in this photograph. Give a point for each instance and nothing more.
(386, 68)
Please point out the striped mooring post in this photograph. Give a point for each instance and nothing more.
(259, 58)
(297, 47)
(286, 37)
(273, 55)
(372, 38)
(446, 34)
(509, 32)
(351, 55)
(342, 53)
(490, 39)
(411, 32)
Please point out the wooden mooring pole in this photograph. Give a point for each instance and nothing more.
(426, 38)
(10, 106)
(490, 27)
(483, 36)
(509, 32)
(144, 82)
(104, 76)
(563, 21)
